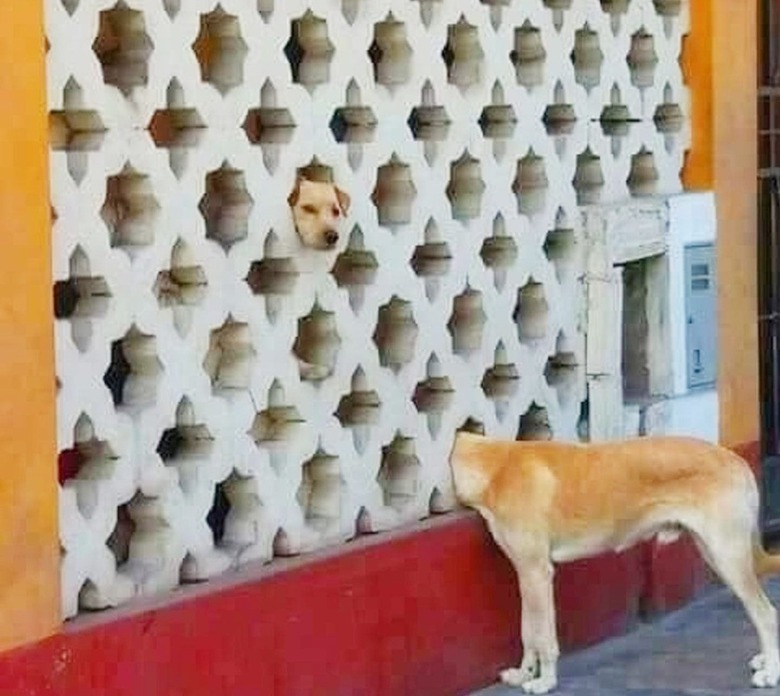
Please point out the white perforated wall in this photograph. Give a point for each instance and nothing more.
(467, 133)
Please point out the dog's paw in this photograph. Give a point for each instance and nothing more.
(757, 662)
(528, 669)
(516, 676)
(765, 677)
(540, 685)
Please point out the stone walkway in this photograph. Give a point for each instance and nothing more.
(701, 650)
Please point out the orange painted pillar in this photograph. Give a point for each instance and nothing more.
(29, 547)
(720, 64)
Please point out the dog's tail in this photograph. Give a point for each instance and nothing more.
(765, 563)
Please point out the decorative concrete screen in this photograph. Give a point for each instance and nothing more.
(467, 134)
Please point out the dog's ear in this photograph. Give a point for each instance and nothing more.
(344, 200)
(292, 199)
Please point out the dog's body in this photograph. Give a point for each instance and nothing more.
(547, 501)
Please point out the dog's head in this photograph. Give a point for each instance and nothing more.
(317, 208)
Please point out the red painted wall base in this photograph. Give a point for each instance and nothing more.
(432, 611)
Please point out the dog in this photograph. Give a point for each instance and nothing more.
(317, 208)
(548, 502)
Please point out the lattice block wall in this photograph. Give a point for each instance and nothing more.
(227, 394)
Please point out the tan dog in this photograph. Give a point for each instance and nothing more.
(547, 501)
(317, 208)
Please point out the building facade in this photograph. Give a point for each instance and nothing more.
(228, 407)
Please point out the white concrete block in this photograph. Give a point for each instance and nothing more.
(170, 176)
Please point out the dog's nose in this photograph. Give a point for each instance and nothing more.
(331, 237)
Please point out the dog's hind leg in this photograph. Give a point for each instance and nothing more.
(538, 671)
(727, 545)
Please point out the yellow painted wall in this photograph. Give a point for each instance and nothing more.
(29, 549)
(720, 60)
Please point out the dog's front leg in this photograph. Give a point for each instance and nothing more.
(538, 671)
(529, 665)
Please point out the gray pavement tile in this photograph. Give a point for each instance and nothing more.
(701, 650)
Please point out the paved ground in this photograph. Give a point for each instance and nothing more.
(700, 651)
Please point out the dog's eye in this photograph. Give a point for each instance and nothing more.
(336, 211)
(310, 209)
